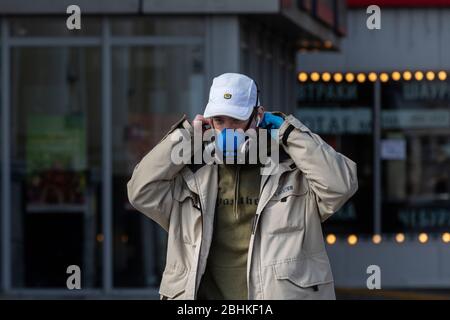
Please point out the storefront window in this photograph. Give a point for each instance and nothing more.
(415, 153)
(56, 157)
(152, 88)
(267, 58)
(341, 113)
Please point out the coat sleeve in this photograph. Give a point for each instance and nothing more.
(150, 189)
(331, 176)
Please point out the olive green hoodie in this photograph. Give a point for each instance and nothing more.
(237, 200)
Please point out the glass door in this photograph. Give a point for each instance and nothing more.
(56, 159)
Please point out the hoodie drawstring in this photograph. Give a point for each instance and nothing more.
(236, 193)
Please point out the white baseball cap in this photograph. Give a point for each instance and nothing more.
(233, 95)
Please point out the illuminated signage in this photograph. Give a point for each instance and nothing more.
(320, 91)
(426, 90)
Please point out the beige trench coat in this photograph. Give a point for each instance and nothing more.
(287, 257)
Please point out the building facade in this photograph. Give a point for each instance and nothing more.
(383, 100)
(79, 109)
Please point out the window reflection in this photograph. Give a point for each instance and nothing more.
(56, 132)
(341, 113)
(152, 88)
(415, 151)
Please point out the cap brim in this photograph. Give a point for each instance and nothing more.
(214, 110)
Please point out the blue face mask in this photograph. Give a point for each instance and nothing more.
(230, 142)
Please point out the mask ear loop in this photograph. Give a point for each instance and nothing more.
(254, 112)
(255, 109)
(244, 147)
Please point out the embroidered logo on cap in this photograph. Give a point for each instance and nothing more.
(227, 95)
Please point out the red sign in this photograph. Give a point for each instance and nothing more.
(325, 11)
(399, 3)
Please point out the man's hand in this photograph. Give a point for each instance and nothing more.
(271, 121)
(200, 122)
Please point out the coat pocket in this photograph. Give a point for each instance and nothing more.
(308, 277)
(173, 283)
(285, 211)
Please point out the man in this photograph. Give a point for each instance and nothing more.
(234, 233)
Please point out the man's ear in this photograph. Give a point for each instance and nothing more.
(260, 111)
(259, 115)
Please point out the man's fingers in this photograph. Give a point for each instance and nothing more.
(199, 117)
(200, 120)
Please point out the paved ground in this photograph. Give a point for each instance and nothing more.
(341, 294)
(393, 294)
